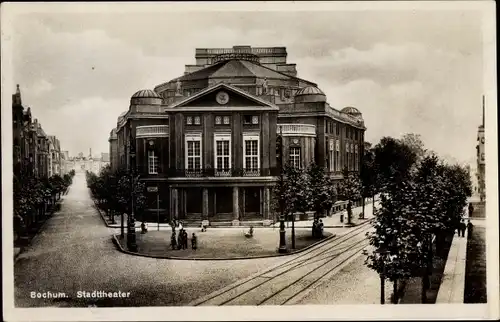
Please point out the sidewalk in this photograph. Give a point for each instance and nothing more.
(453, 282)
(329, 222)
(334, 220)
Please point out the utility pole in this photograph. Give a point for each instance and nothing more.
(279, 141)
(131, 238)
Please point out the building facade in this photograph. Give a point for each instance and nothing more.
(90, 163)
(481, 162)
(55, 159)
(34, 152)
(205, 142)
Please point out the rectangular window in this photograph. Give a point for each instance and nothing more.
(223, 154)
(337, 128)
(356, 158)
(247, 119)
(226, 120)
(326, 126)
(189, 120)
(251, 154)
(193, 153)
(337, 155)
(152, 162)
(331, 156)
(295, 157)
(218, 120)
(197, 120)
(355, 134)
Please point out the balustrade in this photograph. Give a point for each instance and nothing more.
(296, 129)
(152, 131)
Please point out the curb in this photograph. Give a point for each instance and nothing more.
(121, 249)
(102, 216)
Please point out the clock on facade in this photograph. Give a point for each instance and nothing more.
(222, 98)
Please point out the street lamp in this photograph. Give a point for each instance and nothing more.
(131, 237)
(279, 150)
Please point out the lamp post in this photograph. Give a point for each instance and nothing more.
(282, 247)
(131, 237)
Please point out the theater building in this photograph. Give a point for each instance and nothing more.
(205, 142)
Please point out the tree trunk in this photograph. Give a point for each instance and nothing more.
(122, 226)
(395, 292)
(293, 231)
(382, 289)
(363, 209)
(349, 212)
(373, 204)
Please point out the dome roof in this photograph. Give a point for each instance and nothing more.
(350, 110)
(146, 93)
(309, 90)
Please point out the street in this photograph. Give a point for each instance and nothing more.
(73, 256)
(74, 252)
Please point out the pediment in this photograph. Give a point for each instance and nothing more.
(221, 96)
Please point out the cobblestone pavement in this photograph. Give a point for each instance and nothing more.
(302, 275)
(74, 253)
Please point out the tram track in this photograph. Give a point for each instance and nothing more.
(319, 258)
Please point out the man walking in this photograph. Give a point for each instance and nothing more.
(471, 209)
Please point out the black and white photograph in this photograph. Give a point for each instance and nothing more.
(249, 160)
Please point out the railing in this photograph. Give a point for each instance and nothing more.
(184, 173)
(296, 129)
(152, 131)
(236, 55)
(261, 50)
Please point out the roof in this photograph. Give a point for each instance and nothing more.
(227, 86)
(309, 90)
(350, 110)
(235, 68)
(40, 132)
(145, 93)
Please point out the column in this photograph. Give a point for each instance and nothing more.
(174, 202)
(205, 204)
(236, 210)
(266, 205)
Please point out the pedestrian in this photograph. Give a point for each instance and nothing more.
(173, 240)
(471, 209)
(320, 229)
(179, 240)
(463, 226)
(194, 242)
(315, 228)
(469, 228)
(185, 240)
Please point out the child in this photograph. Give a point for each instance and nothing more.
(173, 240)
(194, 242)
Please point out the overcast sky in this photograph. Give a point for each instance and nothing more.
(406, 71)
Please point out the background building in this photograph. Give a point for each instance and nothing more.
(206, 141)
(82, 163)
(34, 152)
